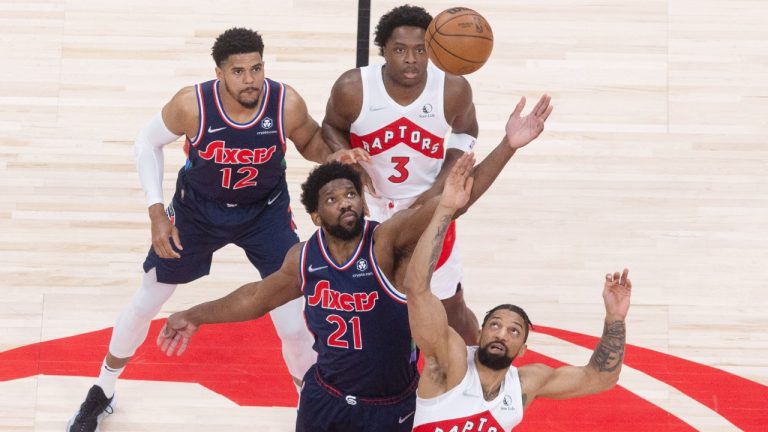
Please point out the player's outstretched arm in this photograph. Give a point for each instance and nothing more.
(443, 349)
(602, 371)
(248, 302)
(343, 107)
(519, 131)
(302, 129)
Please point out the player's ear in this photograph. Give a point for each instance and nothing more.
(315, 218)
(219, 73)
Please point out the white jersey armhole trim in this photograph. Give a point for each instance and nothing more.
(364, 83)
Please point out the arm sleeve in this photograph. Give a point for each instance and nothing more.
(148, 150)
(463, 142)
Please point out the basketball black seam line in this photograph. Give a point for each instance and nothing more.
(462, 35)
(437, 29)
(429, 48)
(458, 57)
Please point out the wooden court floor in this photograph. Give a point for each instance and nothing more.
(656, 158)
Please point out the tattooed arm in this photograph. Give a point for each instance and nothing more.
(445, 355)
(602, 371)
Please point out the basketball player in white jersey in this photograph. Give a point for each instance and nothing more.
(415, 121)
(475, 388)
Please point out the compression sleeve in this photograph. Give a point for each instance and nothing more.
(148, 150)
(463, 142)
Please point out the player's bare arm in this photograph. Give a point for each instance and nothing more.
(460, 114)
(343, 108)
(248, 302)
(302, 129)
(180, 116)
(443, 349)
(519, 132)
(602, 371)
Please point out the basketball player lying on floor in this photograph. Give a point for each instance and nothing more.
(365, 377)
(476, 388)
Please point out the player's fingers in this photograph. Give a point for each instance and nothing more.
(173, 344)
(176, 239)
(518, 108)
(468, 185)
(624, 275)
(616, 276)
(161, 335)
(608, 277)
(629, 284)
(546, 114)
(183, 347)
(543, 105)
(362, 155)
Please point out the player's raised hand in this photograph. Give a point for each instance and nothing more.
(522, 130)
(175, 334)
(616, 294)
(458, 184)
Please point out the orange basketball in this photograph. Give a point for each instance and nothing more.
(459, 40)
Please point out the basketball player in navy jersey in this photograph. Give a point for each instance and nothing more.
(231, 190)
(476, 388)
(349, 272)
(380, 109)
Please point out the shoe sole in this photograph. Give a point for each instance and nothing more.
(100, 417)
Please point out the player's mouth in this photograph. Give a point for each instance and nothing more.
(349, 217)
(497, 348)
(411, 73)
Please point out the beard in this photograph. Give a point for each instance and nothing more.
(493, 361)
(343, 233)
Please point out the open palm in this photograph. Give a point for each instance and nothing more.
(522, 130)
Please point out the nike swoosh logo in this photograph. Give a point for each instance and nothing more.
(402, 420)
(377, 108)
(271, 200)
(215, 130)
(314, 269)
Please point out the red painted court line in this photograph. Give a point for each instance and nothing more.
(243, 362)
(741, 401)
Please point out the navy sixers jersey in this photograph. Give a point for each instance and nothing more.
(239, 163)
(359, 320)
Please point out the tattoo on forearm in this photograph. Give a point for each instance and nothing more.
(437, 242)
(609, 353)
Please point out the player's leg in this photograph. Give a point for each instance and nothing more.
(266, 245)
(321, 411)
(158, 284)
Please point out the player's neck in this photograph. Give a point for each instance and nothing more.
(341, 250)
(490, 379)
(235, 110)
(403, 95)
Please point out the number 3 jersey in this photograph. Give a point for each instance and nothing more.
(360, 321)
(238, 163)
(406, 143)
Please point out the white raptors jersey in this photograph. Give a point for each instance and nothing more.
(405, 142)
(464, 409)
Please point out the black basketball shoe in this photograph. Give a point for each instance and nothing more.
(95, 407)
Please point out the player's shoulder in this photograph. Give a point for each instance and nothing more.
(349, 82)
(534, 375)
(457, 86)
(183, 105)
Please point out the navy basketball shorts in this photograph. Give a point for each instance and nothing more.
(265, 231)
(324, 409)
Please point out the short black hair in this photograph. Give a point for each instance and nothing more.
(405, 15)
(236, 40)
(513, 308)
(322, 175)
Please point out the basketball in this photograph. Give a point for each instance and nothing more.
(459, 40)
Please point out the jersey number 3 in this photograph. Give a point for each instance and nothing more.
(402, 172)
(336, 338)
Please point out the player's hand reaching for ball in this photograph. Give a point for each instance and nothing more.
(522, 130)
(458, 184)
(616, 295)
